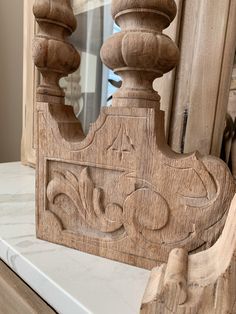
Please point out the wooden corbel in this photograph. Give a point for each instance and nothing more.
(203, 283)
(120, 192)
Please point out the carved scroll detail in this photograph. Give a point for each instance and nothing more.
(54, 56)
(138, 205)
(204, 283)
(151, 215)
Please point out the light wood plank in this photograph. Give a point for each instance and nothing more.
(30, 80)
(200, 90)
(225, 80)
(16, 297)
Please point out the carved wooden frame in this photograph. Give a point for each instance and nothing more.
(120, 192)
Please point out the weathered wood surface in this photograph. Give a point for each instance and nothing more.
(121, 192)
(225, 79)
(203, 283)
(232, 112)
(203, 76)
(16, 297)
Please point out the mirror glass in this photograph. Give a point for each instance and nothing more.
(93, 84)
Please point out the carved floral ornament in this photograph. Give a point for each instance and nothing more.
(120, 192)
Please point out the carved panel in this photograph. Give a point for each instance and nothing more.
(108, 194)
(120, 192)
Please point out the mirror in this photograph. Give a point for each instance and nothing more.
(93, 84)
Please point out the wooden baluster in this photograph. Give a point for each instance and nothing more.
(140, 52)
(54, 56)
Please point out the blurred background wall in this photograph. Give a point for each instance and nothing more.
(11, 64)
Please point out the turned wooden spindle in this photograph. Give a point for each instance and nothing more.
(54, 56)
(140, 53)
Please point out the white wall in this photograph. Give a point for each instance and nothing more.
(11, 64)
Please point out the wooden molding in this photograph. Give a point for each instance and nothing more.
(120, 192)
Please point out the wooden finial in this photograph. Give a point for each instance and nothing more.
(54, 56)
(140, 53)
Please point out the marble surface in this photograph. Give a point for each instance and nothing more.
(69, 280)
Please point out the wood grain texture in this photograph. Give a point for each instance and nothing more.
(203, 77)
(16, 297)
(166, 84)
(232, 112)
(225, 80)
(204, 283)
(120, 192)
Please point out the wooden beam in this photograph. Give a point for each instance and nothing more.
(202, 85)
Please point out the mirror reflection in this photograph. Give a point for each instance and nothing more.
(93, 84)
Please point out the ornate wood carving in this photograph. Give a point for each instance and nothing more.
(203, 283)
(120, 192)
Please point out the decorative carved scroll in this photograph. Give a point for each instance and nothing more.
(203, 283)
(120, 192)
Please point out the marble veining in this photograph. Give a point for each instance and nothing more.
(69, 280)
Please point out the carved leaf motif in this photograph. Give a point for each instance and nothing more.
(87, 200)
(86, 188)
(72, 179)
(97, 202)
(61, 185)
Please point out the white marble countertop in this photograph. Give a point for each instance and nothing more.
(69, 280)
